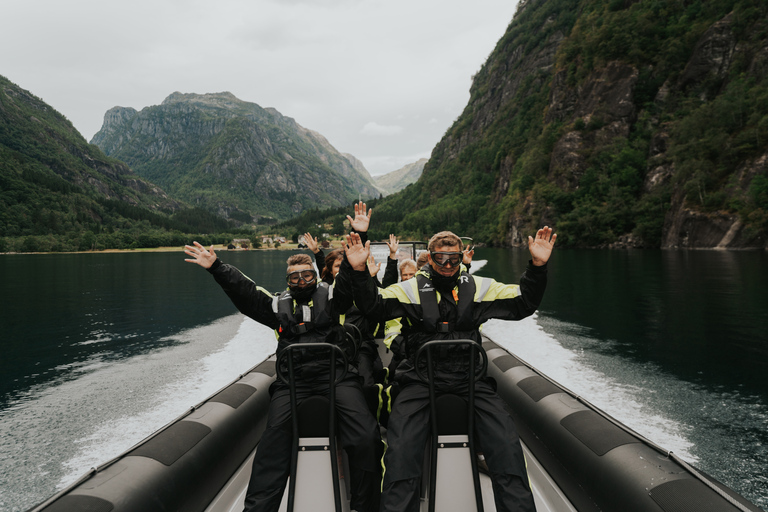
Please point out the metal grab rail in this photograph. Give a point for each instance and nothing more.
(291, 383)
(430, 380)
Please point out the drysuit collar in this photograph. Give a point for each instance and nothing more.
(302, 294)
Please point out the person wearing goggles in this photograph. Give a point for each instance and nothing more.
(301, 277)
(446, 259)
(306, 312)
(444, 302)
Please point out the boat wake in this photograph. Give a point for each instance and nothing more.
(251, 344)
(627, 400)
(54, 433)
(722, 432)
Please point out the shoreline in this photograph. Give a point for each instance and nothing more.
(216, 247)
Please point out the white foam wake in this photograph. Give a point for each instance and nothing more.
(628, 400)
(169, 398)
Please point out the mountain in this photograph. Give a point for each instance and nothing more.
(232, 157)
(57, 192)
(620, 123)
(397, 180)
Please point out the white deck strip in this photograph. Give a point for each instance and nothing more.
(546, 493)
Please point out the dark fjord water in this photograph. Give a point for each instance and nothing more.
(100, 350)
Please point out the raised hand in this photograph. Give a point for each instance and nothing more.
(541, 246)
(467, 256)
(357, 253)
(200, 255)
(362, 218)
(311, 242)
(393, 245)
(373, 267)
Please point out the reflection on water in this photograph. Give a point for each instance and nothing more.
(62, 312)
(685, 330)
(699, 315)
(87, 338)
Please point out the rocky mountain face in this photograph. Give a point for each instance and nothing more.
(232, 157)
(621, 123)
(37, 139)
(397, 180)
(53, 183)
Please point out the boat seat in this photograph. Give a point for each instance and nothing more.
(454, 489)
(315, 481)
(453, 479)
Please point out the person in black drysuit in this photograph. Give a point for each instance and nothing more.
(443, 303)
(395, 332)
(307, 311)
(368, 361)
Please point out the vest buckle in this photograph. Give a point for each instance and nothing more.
(301, 328)
(443, 327)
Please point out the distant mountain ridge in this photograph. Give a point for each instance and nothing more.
(397, 180)
(233, 157)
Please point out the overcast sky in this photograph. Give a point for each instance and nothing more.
(380, 79)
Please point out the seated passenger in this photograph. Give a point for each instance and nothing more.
(408, 269)
(395, 334)
(444, 302)
(421, 260)
(357, 429)
(368, 361)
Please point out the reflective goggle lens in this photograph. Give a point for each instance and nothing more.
(302, 275)
(443, 258)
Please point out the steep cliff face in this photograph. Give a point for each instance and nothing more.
(621, 123)
(37, 139)
(231, 156)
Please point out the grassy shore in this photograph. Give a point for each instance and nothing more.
(334, 244)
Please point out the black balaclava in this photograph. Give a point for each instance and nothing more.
(444, 284)
(302, 294)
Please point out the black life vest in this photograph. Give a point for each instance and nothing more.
(432, 322)
(296, 320)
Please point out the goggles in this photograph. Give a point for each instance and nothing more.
(298, 276)
(441, 259)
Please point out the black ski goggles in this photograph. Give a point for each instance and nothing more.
(298, 276)
(441, 259)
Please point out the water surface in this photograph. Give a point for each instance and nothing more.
(100, 350)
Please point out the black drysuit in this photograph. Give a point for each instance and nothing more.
(465, 303)
(368, 361)
(357, 429)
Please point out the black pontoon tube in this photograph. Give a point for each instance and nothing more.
(598, 462)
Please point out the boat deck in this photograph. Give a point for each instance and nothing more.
(547, 495)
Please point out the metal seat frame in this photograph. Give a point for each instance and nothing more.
(426, 351)
(289, 380)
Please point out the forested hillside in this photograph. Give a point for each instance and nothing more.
(233, 157)
(622, 123)
(59, 193)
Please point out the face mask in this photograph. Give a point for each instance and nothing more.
(444, 284)
(303, 293)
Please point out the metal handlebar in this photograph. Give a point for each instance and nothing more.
(311, 346)
(427, 349)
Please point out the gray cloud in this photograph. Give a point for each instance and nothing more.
(381, 80)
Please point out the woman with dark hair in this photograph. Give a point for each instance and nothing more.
(332, 265)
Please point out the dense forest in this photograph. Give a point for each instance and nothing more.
(59, 193)
(614, 120)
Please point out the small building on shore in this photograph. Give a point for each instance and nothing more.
(239, 244)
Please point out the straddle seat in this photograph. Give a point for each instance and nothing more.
(453, 479)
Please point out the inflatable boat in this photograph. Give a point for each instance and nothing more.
(578, 457)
